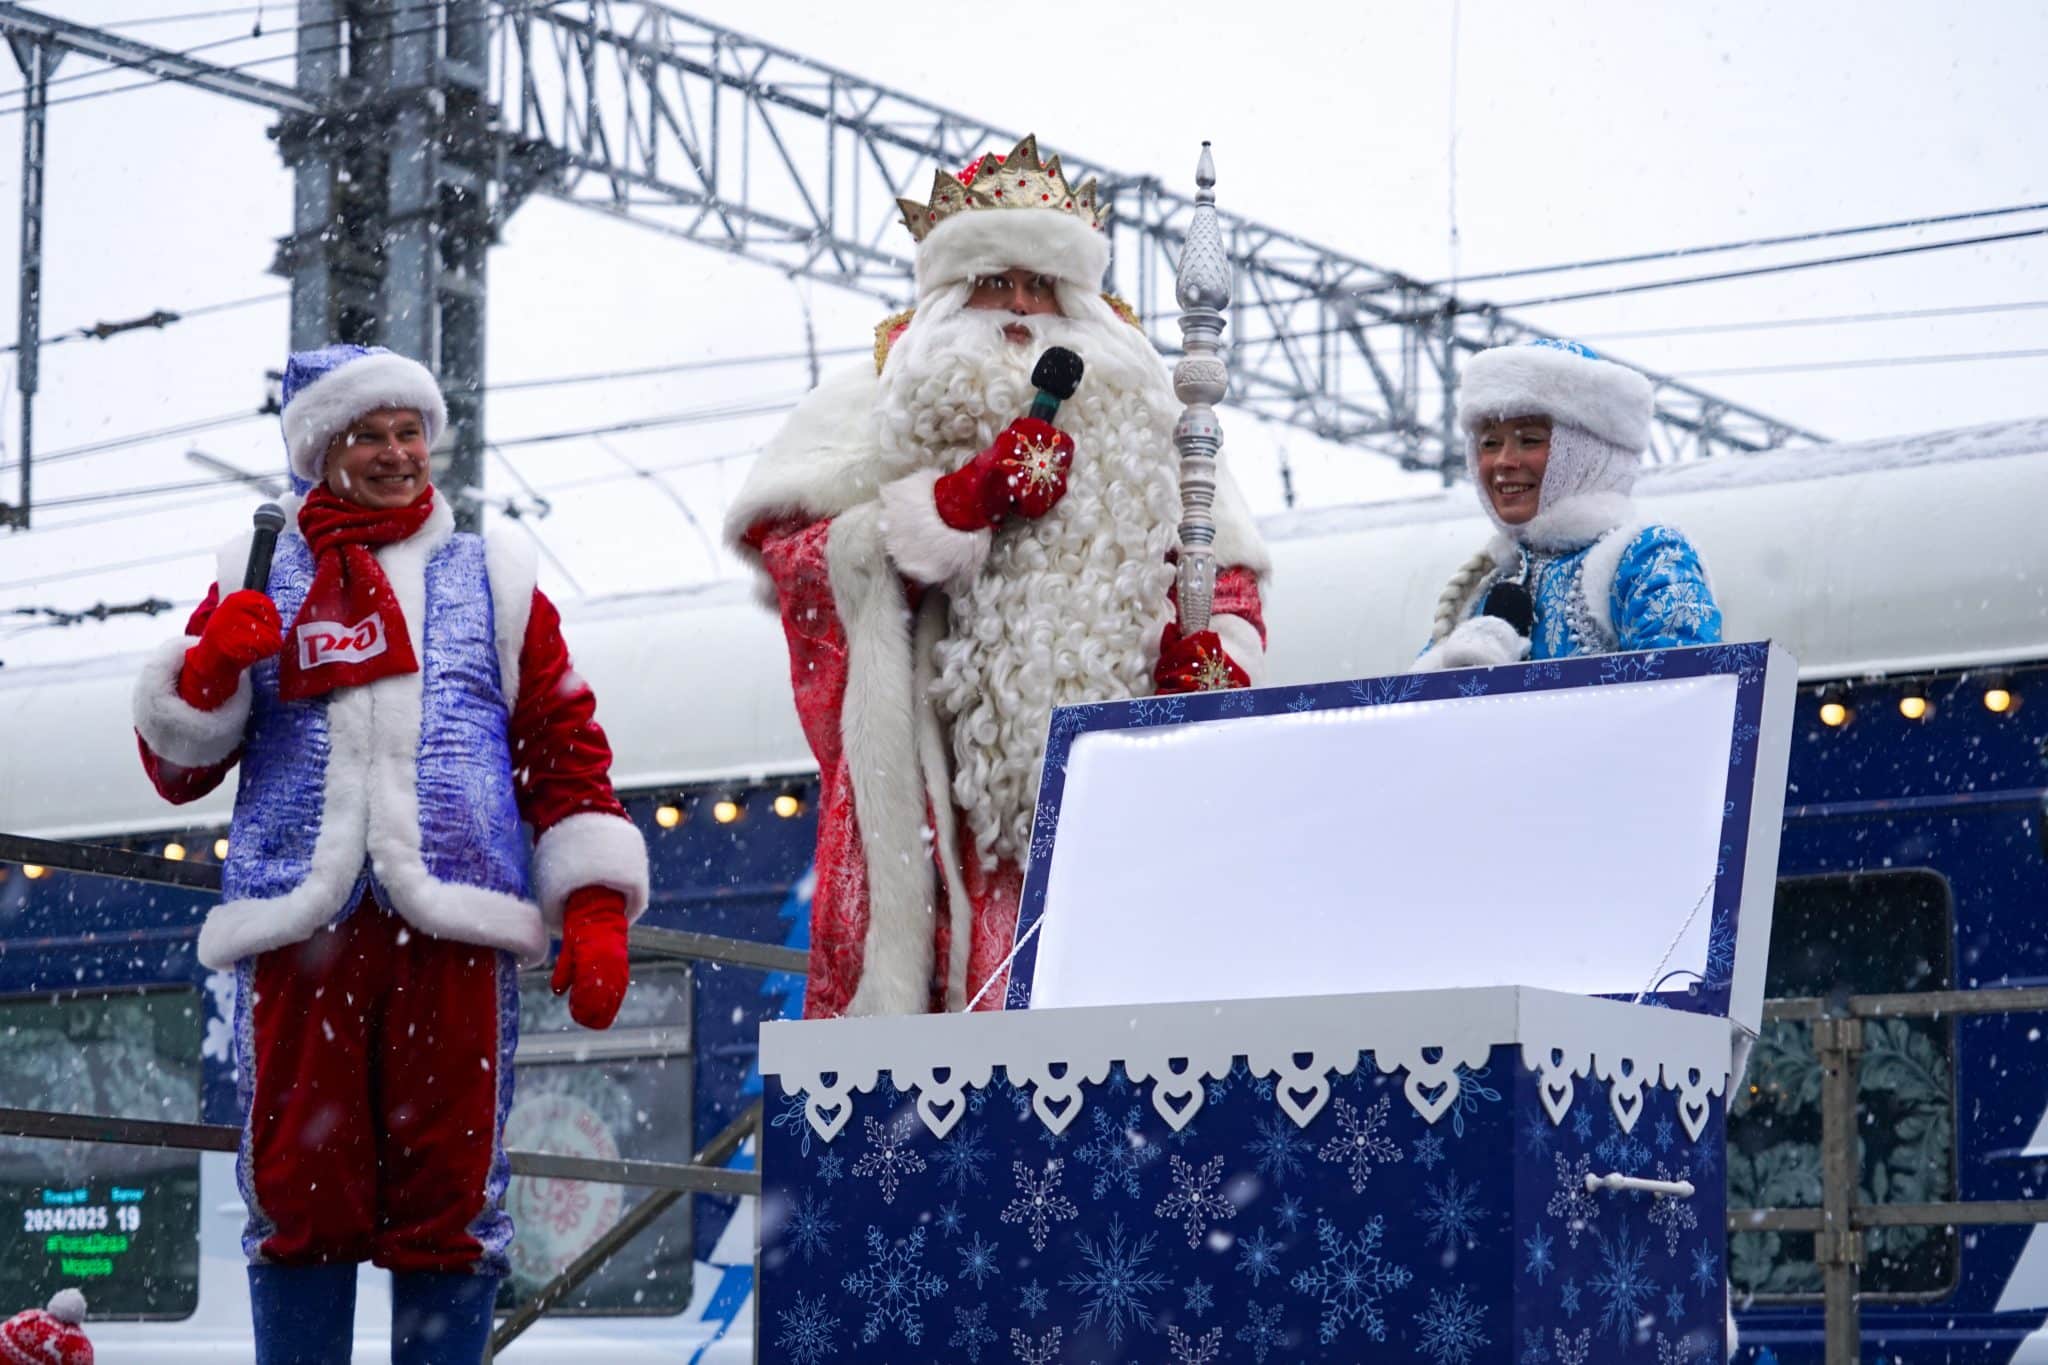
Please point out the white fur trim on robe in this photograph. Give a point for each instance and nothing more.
(919, 539)
(512, 563)
(1241, 642)
(177, 731)
(370, 805)
(590, 848)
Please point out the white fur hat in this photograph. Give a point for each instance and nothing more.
(1008, 212)
(1563, 381)
(327, 389)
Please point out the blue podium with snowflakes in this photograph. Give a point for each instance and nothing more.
(1377, 1020)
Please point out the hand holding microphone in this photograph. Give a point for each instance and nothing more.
(243, 630)
(1024, 472)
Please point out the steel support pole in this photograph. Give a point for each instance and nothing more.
(37, 59)
(308, 257)
(1838, 1245)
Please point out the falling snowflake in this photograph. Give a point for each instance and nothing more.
(1117, 1151)
(1351, 1279)
(1194, 1200)
(1573, 1202)
(1198, 1298)
(959, 1159)
(1568, 1298)
(1453, 1214)
(1361, 1143)
(794, 1118)
(1116, 1284)
(950, 1219)
(887, 1159)
(1258, 1257)
(810, 1227)
(1189, 1350)
(1572, 1350)
(1675, 1216)
(808, 1332)
(1534, 1352)
(1262, 1333)
(1279, 1149)
(1450, 1328)
(1706, 1267)
(1537, 1246)
(1039, 1201)
(1537, 1135)
(1031, 1299)
(1625, 1290)
(1427, 1150)
(894, 1285)
(1674, 1303)
(831, 1168)
(973, 1332)
(1043, 1350)
(977, 1261)
(1290, 1213)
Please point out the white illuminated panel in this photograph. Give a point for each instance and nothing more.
(1562, 838)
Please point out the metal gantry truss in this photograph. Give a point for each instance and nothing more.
(417, 126)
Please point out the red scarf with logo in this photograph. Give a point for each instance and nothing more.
(350, 630)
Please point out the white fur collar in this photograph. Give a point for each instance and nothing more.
(1571, 525)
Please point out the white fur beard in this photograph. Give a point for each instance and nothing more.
(1068, 608)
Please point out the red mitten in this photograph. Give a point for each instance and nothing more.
(244, 630)
(1195, 663)
(592, 966)
(1024, 472)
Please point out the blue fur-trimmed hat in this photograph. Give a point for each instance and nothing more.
(328, 389)
(1562, 380)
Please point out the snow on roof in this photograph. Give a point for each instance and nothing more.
(1927, 552)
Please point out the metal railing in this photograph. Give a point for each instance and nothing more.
(1840, 1223)
(704, 1173)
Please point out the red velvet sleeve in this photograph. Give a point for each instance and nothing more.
(174, 783)
(793, 553)
(561, 761)
(1237, 594)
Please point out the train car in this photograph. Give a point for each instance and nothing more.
(1909, 577)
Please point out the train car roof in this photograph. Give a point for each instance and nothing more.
(1893, 556)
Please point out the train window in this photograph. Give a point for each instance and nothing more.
(623, 1093)
(1864, 932)
(121, 1223)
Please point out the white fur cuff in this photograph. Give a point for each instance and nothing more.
(174, 729)
(1241, 642)
(590, 849)
(1482, 642)
(918, 538)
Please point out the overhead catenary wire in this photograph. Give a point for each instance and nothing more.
(1869, 363)
(156, 321)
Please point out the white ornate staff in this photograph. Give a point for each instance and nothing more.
(1200, 379)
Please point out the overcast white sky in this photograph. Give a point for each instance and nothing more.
(1582, 130)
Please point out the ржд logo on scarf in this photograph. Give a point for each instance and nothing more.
(324, 642)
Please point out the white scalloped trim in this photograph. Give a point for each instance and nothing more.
(1055, 1054)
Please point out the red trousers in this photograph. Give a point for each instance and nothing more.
(375, 1071)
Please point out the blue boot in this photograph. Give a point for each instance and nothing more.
(441, 1318)
(305, 1314)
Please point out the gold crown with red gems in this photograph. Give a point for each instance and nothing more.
(1016, 181)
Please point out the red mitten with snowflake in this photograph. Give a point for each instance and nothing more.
(1023, 472)
(592, 967)
(1195, 663)
(243, 631)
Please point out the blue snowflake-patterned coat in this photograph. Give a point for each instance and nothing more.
(1639, 585)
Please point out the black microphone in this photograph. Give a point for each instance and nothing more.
(1056, 376)
(269, 521)
(1511, 603)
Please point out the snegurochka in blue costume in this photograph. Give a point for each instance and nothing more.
(1554, 438)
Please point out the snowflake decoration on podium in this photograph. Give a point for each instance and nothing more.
(811, 1227)
(1258, 1257)
(1675, 1216)
(1116, 1287)
(1623, 1284)
(894, 1285)
(1279, 1148)
(887, 1159)
(1572, 1350)
(1451, 1327)
(807, 1335)
(1362, 1142)
(1453, 1213)
(959, 1159)
(1194, 1200)
(1573, 1202)
(1539, 1261)
(977, 1261)
(1031, 1350)
(1188, 1350)
(1117, 1151)
(1039, 1201)
(1262, 1332)
(973, 1333)
(1351, 1279)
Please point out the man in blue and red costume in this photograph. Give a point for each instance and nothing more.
(400, 701)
